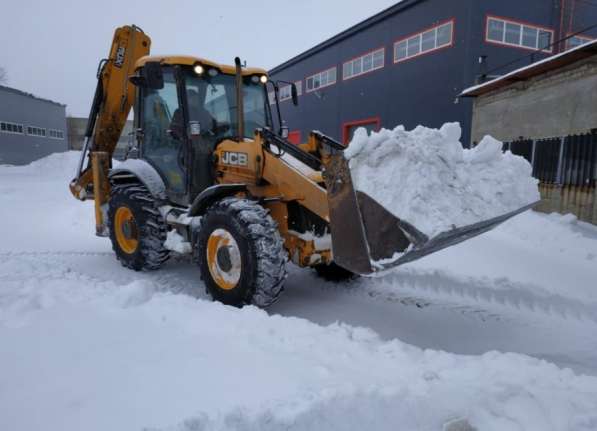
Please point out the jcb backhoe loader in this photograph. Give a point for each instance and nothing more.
(207, 174)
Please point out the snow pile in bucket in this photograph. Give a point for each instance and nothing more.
(428, 179)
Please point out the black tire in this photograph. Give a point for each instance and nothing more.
(333, 272)
(259, 269)
(150, 229)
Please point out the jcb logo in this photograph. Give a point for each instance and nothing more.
(235, 159)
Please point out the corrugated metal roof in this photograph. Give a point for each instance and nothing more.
(525, 73)
(392, 10)
(23, 93)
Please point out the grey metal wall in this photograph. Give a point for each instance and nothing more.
(421, 90)
(18, 107)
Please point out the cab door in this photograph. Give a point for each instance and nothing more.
(164, 138)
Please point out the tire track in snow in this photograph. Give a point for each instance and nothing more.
(479, 294)
(479, 298)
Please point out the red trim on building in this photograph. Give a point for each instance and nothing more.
(363, 55)
(402, 39)
(321, 86)
(522, 23)
(295, 137)
(347, 125)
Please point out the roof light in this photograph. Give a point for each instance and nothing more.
(263, 79)
(198, 69)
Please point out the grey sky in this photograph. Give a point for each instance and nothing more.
(51, 48)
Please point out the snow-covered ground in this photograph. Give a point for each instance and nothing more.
(87, 344)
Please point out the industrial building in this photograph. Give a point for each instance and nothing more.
(408, 64)
(30, 127)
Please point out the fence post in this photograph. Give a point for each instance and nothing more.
(560, 157)
(533, 154)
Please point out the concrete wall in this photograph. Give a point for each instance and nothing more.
(22, 108)
(580, 201)
(560, 103)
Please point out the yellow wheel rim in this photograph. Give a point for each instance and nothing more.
(126, 230)
(223, 259)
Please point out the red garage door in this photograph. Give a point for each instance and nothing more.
(295, 137)
(348, 128)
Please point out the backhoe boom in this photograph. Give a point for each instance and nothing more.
(112, 102)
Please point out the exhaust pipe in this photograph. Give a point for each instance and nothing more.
(239, 100)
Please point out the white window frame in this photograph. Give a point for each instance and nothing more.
(55, 134)
(415, 41)
(361, 61)
(39, 132)
(506, 21)
(17, 125)
(585, 39)
(319, 76)
(286, 92)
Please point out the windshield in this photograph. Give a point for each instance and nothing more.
(212, 103)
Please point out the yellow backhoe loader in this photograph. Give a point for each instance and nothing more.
(207, 174)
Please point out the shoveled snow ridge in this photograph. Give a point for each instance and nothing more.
(425, 177)
(165, 352)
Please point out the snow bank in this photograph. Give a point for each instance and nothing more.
(425, 177)
(129, 355)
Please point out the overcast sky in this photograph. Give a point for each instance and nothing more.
(51, 48)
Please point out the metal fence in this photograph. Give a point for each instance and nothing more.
(571, 160)
(567, 170)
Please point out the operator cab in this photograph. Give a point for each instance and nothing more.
(186, 107)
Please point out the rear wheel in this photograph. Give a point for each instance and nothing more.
(241, 253)
(137, 229)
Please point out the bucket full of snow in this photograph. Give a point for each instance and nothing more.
(395, 195)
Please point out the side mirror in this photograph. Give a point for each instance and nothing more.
(294, 94)
(284, 132)
(150, 76)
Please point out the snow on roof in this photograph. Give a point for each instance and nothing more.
(524, 73)
(23, 93)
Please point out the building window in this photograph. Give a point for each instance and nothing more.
(6, 127)
(512, 33)
(286, 92)
(426, 41)
(348, 128)
(36, 131)
(363, 64)
(55, 134)
(321, 79)
(575, 41)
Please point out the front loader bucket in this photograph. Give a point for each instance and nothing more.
(367, 238)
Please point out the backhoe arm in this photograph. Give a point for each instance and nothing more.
(114, 97)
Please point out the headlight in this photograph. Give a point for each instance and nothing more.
(198, 69)
(263, 79)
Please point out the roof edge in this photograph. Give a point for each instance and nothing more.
(366, 23)
(32, 96)
(537, 68)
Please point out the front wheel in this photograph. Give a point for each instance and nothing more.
(241, 254)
